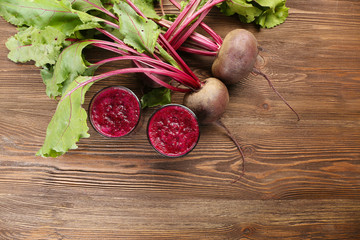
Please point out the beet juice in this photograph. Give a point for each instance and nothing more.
(173, 130)
(114, 111)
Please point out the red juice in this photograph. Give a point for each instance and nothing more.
(173, 130)
(114, 111)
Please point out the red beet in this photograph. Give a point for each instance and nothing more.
(210, 102)
(236, 57)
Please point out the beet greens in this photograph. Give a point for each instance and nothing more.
(54, 34)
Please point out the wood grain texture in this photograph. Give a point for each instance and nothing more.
(302, 179)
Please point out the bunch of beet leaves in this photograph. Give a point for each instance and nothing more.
(54, 33)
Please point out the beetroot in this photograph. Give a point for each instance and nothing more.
(236, 57)
(173, 130)
(208, 103)
(114, 111)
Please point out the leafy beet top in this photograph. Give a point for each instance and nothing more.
(173, 130)
(114, 111)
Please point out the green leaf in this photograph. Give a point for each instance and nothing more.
(40, 14)
(86, 6)
(43, 46)
(266, 13)
(68, 67)
(270, 3)
(91, 11)
(273, 16)
(136, 31)
(147, 7)
(69, 122)
(44, 13)
(45, 26)
(110, 2)
(246, 11)
(156, 97)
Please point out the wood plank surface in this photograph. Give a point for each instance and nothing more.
(302, 179)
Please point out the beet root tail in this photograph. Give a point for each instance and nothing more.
(231, 136)
(256, 71)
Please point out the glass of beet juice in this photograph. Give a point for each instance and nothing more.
(114, 111)
(173, 130)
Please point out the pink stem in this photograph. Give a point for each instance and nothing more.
(180, 18)
(204, 26)
(197, 51)
(111, 36)
(185, 79)
(137, 10)
(114, 25)
(112, 49)
(212, 33)
(195, 38)
(180, 40)
(162, 7)
(126, 71)
(197, 45)
(161, 82)
(118, 45)
(206, 7)
(175, 3)
(204, 41)
(180, 61)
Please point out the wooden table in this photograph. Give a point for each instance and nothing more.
(302, 179)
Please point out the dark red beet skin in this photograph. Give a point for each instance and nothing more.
(210, 102)
(236, 57)
(173, 130)
(114, 111)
